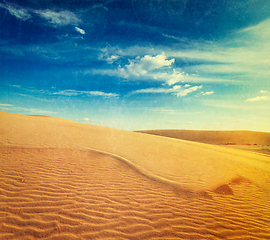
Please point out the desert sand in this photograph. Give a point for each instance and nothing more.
(247, 140)
(64, 180)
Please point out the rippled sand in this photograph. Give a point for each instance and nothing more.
(54, 189)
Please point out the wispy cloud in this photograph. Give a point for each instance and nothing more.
(259, 98)
(245, 53)
(243, 56)
(205, 93)
(156, 67)
(176, 90)
(63, 51)
(175, 112)
(55, 18)
(187, 91)
(6, 105)
(17, 11)
(61, 18)
(231, 104)
(13, 108)
(71, 93)
(33, 110)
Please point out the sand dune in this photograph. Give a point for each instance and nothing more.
(247, 140)
(188, 165)
(216, 137)
(132, 186)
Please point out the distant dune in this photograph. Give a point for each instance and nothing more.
(61, 179)
(216, 137)
(246, 140)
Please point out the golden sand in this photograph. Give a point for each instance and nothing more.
(132, 186)
(217, 137)
(246, 140)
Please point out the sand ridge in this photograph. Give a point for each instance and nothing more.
(188, 165)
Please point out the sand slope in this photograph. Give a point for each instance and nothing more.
(188, 165)
(53, 187)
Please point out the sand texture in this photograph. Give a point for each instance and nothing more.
(64, 180)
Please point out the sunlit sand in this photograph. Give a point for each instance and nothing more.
(64, 179)
(247, 140)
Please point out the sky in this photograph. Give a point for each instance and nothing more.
(138, 64)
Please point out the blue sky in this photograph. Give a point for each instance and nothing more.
(133, 65)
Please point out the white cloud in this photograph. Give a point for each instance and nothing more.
(175, 90)
(174, 77)
(80, 30)
(109, 56)
(89, 93)
(153, 90)
(187, 91)
(256, 99)
(151, 67)
(67, 93)
(16, 11)
(112, 58)
(109, 59)
(6, 105)
(61, 18)
(176, 87)
(262, 91)
(12, 108)
(141, 66)
(103, 94)
(16, 86)
(86, 119)
(33, 110)
(207, 93)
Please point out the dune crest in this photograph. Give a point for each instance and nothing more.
(187, 165)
